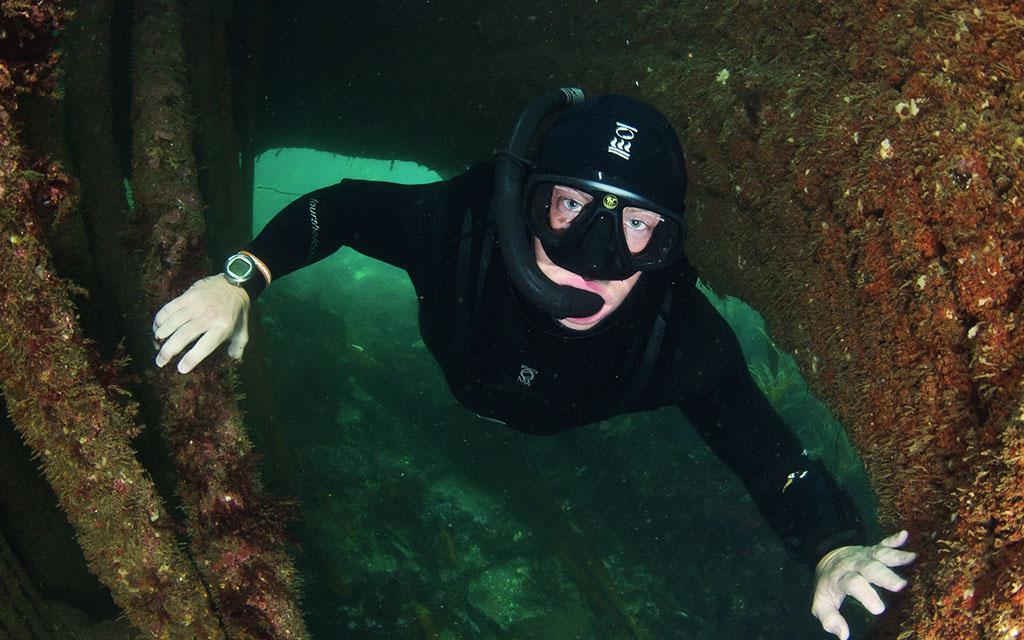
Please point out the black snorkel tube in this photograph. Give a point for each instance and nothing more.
(507, 206)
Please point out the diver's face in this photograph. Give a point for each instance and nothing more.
(566, 203)
(612, 291)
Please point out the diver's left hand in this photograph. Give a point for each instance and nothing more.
(850, 571)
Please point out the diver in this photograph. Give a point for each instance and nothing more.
(554, 293)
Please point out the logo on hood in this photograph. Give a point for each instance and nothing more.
(620, 143)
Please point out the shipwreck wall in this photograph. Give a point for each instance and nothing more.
(67, 387)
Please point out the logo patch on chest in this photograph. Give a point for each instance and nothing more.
(526, 375)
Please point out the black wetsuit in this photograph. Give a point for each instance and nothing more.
(506, 360)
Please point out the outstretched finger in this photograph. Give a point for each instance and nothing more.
(858, 586)
(883, 576)
(180, 339)
(895, 540)
(170, 323)
(202, 348)
(894, 557)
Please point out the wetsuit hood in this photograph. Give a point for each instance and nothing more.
(620, 142)
(623, 153)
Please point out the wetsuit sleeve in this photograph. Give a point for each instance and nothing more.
(796, 495)
(382, 220)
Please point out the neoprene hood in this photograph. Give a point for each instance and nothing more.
(619, 141)
(624, 159)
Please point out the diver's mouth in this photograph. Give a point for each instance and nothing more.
(587, 285)
(584, 321)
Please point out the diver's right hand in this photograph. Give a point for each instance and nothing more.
(209, 313)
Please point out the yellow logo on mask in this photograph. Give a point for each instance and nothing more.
(610, 201)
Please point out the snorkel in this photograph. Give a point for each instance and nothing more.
(506, 209)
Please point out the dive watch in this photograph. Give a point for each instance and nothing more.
(239, 269)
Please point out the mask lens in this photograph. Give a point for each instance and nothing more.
(567, 205)
(557, 210)
(576, 224)
(638, 227)
(650, 237)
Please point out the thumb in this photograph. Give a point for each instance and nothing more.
(239, 339)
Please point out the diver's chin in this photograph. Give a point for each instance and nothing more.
(612, 292)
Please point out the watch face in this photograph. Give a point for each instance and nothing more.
(239, 268)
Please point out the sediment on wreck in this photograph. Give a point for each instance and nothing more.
(871, 200)
(236, 535)
(69, 405)
(75, 423)
(63, 401)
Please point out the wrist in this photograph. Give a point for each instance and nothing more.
(827, 560)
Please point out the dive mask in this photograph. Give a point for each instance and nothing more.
(598, 230)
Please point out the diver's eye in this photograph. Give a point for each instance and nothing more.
(638, 227)
(566, 205)
(569, 205)
(636, 219)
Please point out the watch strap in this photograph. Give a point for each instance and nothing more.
(261, 266)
